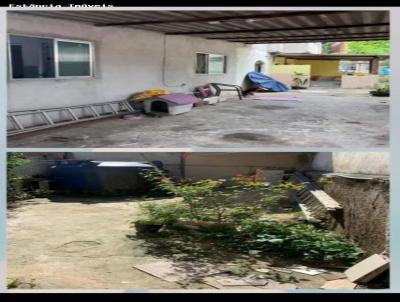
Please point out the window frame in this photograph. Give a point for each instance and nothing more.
(55, 56)
(208, 63)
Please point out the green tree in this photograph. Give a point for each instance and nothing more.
(381, 47)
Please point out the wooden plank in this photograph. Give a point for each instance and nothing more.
(339, 284)
(368, 269)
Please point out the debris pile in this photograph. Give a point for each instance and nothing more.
(265, 276)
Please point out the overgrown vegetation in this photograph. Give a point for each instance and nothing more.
(212, 200)
(232, 213)
(298, 240)
(382, 88)
(381, 47)
(15, 189)
(159, 183)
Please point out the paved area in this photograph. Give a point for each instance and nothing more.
(323, 117)
(87, 243)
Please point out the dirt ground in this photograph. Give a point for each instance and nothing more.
(88, 243)
(321, 117)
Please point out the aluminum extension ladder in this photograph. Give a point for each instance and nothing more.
(96, 111)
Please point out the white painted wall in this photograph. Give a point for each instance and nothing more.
(224, 165)
(126, 61)
(313, 48)
(247, 56)
(129, 60)
(352, 162)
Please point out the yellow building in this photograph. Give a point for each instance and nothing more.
(321, 66)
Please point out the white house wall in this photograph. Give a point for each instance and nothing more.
(247, 56)
(222, 165)
(313, 48)
(126, 61)
(352, 162)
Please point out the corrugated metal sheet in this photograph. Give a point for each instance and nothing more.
(307, 56)
(244, 26)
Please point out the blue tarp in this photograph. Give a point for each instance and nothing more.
(260, 80)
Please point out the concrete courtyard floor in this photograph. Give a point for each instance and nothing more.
(88, 243)
(327, 117)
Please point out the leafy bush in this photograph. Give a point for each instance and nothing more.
(160, 184)
(15, 190)
(162, 213)
(384, 91)
(382, 88)
(215, 200)
(294, 240)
